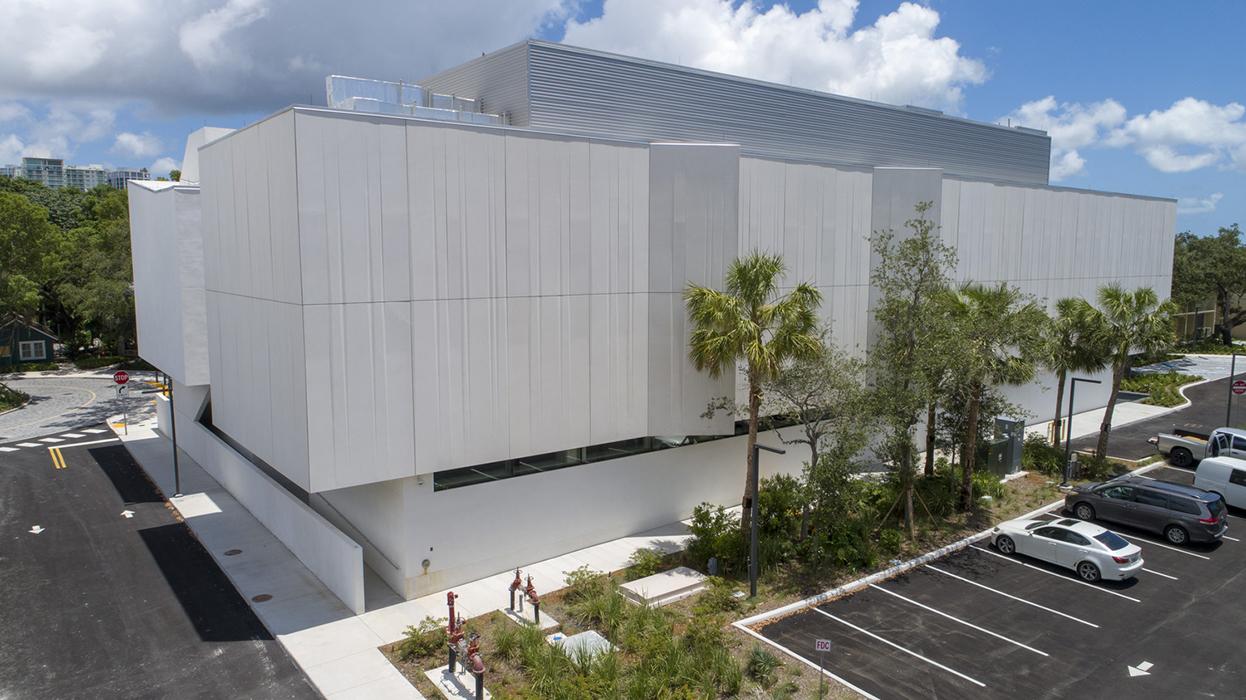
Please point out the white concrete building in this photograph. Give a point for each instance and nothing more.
(463, 346)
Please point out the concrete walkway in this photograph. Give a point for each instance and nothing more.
(335, 648)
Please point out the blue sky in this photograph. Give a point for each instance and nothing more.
(1145, 97)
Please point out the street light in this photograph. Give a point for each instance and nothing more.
(1068, 438)
(752, 545)
(1228, 411)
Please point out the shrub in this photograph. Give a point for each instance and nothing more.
(1095, 468)
(718, 597)
(716, 533)
(987, 483)
(761, 666)
(645, 562)
(890, 541)
(1162, 387)
(11, 398)
(426, 639)
(1038, 455)
(779, 504)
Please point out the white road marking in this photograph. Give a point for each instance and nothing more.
(957, 619)
(94, 431)
(914, 654)
(1165, 546)
(1062, 577)
(29, 444)
(1142, 669)
(1013, 597)
(1149, 571)
(36, 529)
(8, 449)
(50, 440)
(72, 435)
(805, 661)
(84, 444)
(1231, 539)
(127, 514)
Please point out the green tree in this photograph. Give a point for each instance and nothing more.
(1001, 335)
(25, 234)
(910, 275)
(1212, 269)
(825, 396)
(175, 175)
(749, 322)
(1071, 345)
(1129, 321)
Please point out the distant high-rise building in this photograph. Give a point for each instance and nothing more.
(85, 177)
(49, 171)
(117, 179)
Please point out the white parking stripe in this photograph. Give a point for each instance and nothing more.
(1174, 578)
(807, 662)
(1013, 597)
(1231, 539)
(1165, 546)
(957, 619)
(1062, 577)
(914, 654)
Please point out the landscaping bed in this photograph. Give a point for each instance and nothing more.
(11, 398)
(1162, 388)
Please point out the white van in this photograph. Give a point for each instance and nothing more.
(1225, 476)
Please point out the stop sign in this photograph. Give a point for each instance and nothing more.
(121, 377)
(1239, 387)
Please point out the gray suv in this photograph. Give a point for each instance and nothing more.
(1180, 513)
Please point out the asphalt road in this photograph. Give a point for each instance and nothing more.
(1204, 414)
(98, 605)
(64, 403)
(977, 624)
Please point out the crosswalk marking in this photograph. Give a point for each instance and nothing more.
(72, 435)
(50, 440)
(94, 431)
(29, 444)
(8, 449)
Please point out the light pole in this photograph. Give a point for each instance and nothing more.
(753, 510)
(1228, 410)
(1068, 438)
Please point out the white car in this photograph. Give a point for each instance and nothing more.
(1091, 551)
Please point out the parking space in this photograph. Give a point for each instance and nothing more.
(978, 624)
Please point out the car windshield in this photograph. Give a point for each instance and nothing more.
(1112, 540)
(1216, 506)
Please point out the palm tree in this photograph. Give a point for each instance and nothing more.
(1001, 332)
(1072, 346)
(750, 322)
(1129, 322)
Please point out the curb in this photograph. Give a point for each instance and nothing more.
(16, 408)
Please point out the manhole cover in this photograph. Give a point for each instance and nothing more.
(261, 598)
(233, 552)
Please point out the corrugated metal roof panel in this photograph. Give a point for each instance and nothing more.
(499, 80)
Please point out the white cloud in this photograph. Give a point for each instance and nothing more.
(143, 145)
(1190, 135)
(13, 112)
(1071, 127)
(162, 166)
(244, 55)
(1199, 205)
(11, 149)
(897, 59)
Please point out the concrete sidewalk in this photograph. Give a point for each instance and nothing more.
(335, 648)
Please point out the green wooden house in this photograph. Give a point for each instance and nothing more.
(24, 341)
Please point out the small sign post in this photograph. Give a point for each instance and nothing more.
(821, 646)
(121, 377)
(1239, 387)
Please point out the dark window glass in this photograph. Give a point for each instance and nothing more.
(1185, 505)
(1148, 497)
(1051, 533)
(1237, 476)
(1118, 493)
(1075, 538)
(1113, 541)
(1239, 444)
(1216, 506)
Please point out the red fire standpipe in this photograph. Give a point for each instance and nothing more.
(530, 592)
(515, 585)
(454, 629)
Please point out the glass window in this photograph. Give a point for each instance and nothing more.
(1216, 506)
(1148, 497)
(1075, 538)
(1237, 476)
(1184, 505)
(1051, 533)
(32, 350)
(1239, 443)
(1118, 493)
(1112, 540)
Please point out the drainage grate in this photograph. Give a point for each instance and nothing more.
(233, 552)
(261, 598)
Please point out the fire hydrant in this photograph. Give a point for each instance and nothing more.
(515, 586)
(530, 593)
(454, 630)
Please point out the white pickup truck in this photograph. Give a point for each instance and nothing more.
(1184, 448)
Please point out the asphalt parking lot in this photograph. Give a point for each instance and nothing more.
(977, 624)
(95, 603)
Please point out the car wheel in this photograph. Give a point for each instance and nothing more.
(1084, 511)
(1005, 544)
(1176, 534)
(1181, 457)
(1088, 571)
